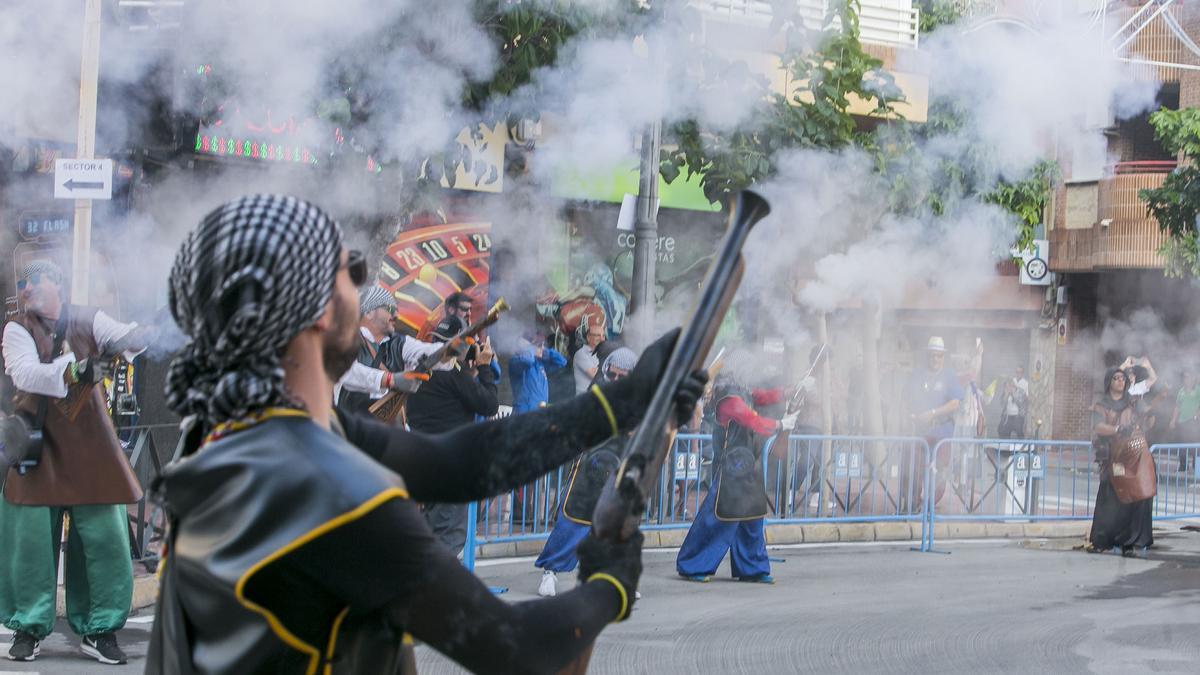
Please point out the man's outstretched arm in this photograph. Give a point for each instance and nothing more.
(486, 459)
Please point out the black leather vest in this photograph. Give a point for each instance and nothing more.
(237, 506)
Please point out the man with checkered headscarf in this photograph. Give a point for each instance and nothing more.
(56, 355)
(295, 545)
(382, 354)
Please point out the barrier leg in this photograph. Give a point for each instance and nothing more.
(469, 548)
(927, 514)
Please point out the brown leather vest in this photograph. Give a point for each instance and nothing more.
(82, 460)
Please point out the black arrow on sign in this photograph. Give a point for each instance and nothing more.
(72, 184)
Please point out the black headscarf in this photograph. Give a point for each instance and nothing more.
(253, 274)
(1108, 401)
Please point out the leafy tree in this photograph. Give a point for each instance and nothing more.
(939, 183)
(937, 13)
(1176, 205)
(830, 72)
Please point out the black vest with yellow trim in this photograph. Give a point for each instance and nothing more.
(592, 471)
(242, 503)
(741, 494)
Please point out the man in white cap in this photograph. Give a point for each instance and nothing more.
(931, 398)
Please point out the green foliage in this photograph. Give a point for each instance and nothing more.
(527, 36)
(830, 70)
(1026, 199)
(1176, 205)
(926, 179)
(936, 13)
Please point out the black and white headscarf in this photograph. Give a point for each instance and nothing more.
(622, 357)
(373, 298)
(44, 268)
(253, 274)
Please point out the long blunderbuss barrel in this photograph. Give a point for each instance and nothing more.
(616, 517)
(391, 405)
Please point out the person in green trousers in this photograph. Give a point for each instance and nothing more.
(55, 354)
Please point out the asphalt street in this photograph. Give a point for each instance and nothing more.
(986, 607)
(981, 607)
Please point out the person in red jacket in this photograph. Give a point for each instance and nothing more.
(731, 517)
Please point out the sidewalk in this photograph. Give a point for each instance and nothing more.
(785, 533)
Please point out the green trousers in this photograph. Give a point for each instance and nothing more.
(98, 574)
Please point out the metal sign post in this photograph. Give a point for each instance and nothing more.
(85, 149)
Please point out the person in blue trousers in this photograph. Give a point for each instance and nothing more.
(587, 478)
(731, 518)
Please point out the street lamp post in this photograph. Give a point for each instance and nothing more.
(642, 298)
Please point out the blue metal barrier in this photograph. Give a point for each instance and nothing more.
(848, 479)
(1178, 480)
(844, 478)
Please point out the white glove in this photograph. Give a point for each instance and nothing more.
(788, 422)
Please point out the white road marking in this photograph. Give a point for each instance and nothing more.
(149, 618)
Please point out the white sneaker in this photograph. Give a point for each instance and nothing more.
(549, 586)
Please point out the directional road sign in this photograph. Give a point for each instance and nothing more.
(83, 178)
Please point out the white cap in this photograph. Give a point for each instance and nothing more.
(936, 344)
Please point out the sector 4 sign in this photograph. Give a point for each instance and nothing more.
(83, 178)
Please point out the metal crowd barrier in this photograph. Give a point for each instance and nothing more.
(1178, 480)
(146, 521)
(991, 479)
(830, 479)
(845, 478)
(863, 478)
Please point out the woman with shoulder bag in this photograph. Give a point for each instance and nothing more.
(1124, 501)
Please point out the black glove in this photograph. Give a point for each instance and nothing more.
(631, 396)
(622, 561)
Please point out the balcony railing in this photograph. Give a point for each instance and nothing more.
(886, 22)
(1154, 42)
(1124, 238)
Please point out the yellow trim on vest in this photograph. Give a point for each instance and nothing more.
(612, 419)
(276, 625)
(604, 576)
(337, 624)
(407, 640)
(233, 426)
(570, 485)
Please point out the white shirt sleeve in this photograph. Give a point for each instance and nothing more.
(415, 350)
(27, 371)
(107, 330)
(363, 378)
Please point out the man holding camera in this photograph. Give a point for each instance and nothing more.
(56, 355)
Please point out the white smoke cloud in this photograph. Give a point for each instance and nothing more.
(1021, 91)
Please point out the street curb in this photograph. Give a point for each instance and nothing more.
(823, 533)
(145, 594)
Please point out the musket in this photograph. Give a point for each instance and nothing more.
(391, 405)
(797, 398)
(616, 517)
